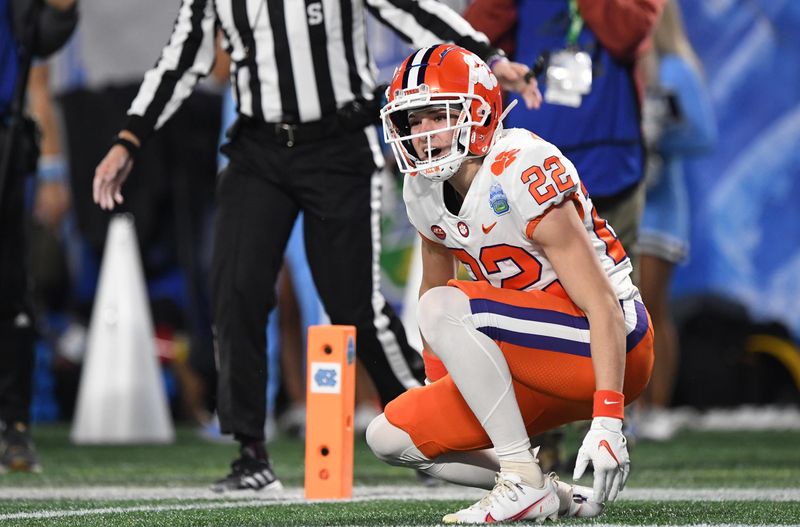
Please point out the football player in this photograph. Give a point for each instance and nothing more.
(551, 330)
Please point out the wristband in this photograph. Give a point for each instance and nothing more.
(608, 403)
(52, 168)
(494, 59)
(127, 144)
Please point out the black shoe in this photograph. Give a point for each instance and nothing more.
(16, 450)
(248, 473)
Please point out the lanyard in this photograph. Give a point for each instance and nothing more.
(575, 23)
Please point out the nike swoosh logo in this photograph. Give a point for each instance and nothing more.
(486, 229)
(606, 401)
(604, 444)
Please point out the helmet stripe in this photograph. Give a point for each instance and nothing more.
(424, 64)
(411, 66)
(415, 67)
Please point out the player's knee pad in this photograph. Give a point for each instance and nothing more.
(393, 445)
(442, 310)
(383, 439)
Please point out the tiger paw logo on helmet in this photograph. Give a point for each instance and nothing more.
(463, 87)
(480, 72)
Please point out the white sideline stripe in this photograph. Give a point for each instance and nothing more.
(294, 496)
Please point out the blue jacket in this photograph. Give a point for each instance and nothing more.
(8, 58)
(603, 136)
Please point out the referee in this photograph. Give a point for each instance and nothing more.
(304, 85)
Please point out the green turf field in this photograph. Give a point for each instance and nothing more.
(741, 478)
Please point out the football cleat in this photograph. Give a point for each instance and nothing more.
(248, 473)
(17, 452)
(511, 500)
(575, 500)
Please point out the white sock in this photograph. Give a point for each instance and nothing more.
(480, 371)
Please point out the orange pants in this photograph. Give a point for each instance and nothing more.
(552, 371)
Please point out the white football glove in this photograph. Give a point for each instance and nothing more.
(606, 447)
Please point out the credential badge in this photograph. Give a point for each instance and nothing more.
(498, 200)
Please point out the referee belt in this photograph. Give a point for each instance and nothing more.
(292, 134)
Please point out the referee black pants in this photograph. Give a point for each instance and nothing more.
(335, 182)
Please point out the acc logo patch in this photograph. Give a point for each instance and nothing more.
(326, 377)
(463, 229)
(438, 232)
(498, 200)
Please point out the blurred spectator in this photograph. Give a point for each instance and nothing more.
(587, 52)
(27, 29)
(678, 123)
(171, 195)
(595, 120)
(745, 243)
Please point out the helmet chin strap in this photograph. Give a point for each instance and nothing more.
(449, 170)
(506, 112)
(444, 171)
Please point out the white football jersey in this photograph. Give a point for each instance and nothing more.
(522, 176)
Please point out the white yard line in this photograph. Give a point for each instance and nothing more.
(250, 503)
(373, 492)
(207, 500)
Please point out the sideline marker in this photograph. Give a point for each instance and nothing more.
(330, 398)
(121, 399)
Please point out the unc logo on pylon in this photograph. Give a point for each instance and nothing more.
(326, 377)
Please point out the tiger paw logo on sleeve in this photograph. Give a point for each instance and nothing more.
(503, 160)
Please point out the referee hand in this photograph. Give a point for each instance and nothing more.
(512, 77)
(109, 176)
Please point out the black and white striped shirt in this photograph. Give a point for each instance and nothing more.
(291, 60)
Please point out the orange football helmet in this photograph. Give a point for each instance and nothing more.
(452, 78)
